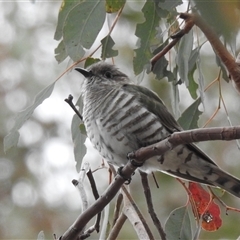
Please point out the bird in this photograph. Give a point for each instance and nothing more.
(121, 117)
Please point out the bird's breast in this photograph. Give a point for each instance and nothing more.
(121, 124)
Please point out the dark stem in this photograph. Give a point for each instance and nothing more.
(151, 211)
(96, 196)
(69, 101)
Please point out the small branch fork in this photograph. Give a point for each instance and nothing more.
(70, 102)
(141, 155)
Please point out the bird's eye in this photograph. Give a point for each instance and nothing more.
(108, 74)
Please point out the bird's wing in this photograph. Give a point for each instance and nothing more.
(155, 105)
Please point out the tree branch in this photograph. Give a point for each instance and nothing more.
(227, 59)
(177, 138)
(189, 136)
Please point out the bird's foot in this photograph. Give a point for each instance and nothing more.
(127, 179)
(131, 158)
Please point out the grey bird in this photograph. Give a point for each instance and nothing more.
(121, 117)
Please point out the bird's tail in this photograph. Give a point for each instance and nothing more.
(212, 176)
(222, 179)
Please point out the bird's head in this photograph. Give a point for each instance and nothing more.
(104, 73)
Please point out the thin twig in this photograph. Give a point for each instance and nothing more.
(117, 208)
(69, 101)
(117, 227)
(147, 193)
(96, 196)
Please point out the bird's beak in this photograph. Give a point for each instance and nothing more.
(84, 72)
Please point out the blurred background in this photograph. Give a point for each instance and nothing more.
(36, 192)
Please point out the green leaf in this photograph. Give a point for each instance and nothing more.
(81, 27)
(178, 225)
(114, 5)
(11, 139)
(190, 116)
(192, 66)
(60, 52)
(90, 61)
(146, 32)
(78, 136)
(193, 86)
(184, 53)
(160, 68)
(107, 51)
(65, 8)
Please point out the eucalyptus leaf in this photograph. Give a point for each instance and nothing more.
(146, 33)
(60, 52)
(184, 53)
(81, 27)
(107, 51)
(78, 136)
(190, 116)
(12, 138)
(178, 225)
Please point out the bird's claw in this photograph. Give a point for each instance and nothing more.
(131, 158)
(127, 179)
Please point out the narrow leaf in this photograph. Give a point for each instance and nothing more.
(78, 136)
(146, 33)
(160, 67)
(107, 51)
(184, 53)
(193, 58)
(11, 139)
(193, 86)
(200, 80)
(82, 25)
(178, 225)
(190, 116)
